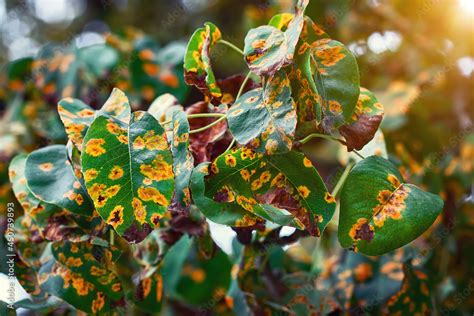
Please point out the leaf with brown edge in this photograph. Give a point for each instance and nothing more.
(267, 185)
(376, 205)
(128, 171)
(197, 62)
(364, 122)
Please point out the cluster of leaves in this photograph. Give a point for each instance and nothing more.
(153, 178)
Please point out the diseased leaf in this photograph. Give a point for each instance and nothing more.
(267, 48)
(78, 116)
(183, 161)
(224, 213)
(266, 185)
(197, 61)
(148, 294)
(337, 80)
(92, 263)
(128, 173)
(164, 106)
(265, 118)
(364, 122)
(376, 205)
(414, 295)
(58, 280)
(34, 208)
(51, 179)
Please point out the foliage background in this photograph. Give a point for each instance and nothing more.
(416, 55)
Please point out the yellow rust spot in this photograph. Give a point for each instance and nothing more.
(115, 129)
(46, 167)
(392, 204)
(94, 147)
(329, 198)
(112, 191)
(245, 174)
(96, 271)
(158, 170)
(363, 272)
(230, 160)
(98, 303)
(90, 174)
(393, 180)
(304, 191)
(116, 173)
(152, 194)
(307, 163)
(116, 217)
(146, 286)
(139, 210)
(330, 56)
(362, 230)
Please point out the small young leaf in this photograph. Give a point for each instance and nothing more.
(128, 172)
(376, 206)
(51, 179)
(197, 62)
(364, 122)
(265, 118)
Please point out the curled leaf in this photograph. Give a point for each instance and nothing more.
(197, 62)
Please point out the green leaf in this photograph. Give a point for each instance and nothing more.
(265, 118)
(34, 208)
(163, 107)
(92, 262)
(51, 179)
(148, 294)
(77, 116)
(128, 173)
(267, 48)
(337, 80)
(414, 296)
(79, 273)
(183, 161)
(197, 62)
(379, 212)
(364, 122)
(263, 185)
(229, 214)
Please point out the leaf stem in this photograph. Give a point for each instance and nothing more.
(197, 115)
(209, 125)
(231, 46)
(317, 135)
(342, 179)
(111, 237)
(241, 89)
(232, 143)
